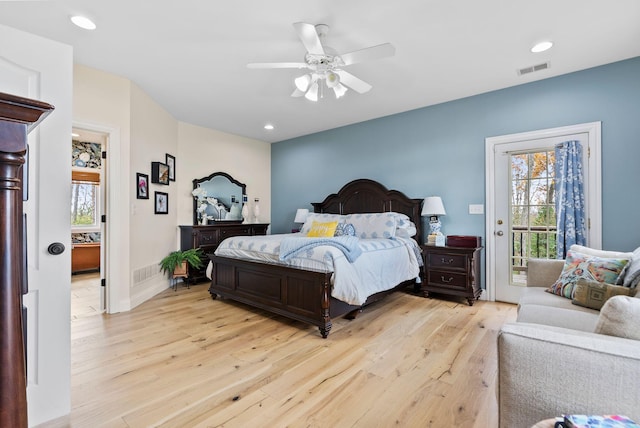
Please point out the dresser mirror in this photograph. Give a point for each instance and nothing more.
(218, 198)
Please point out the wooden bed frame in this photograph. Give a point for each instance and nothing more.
(305, 295)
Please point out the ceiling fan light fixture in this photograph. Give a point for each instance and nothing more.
(303, 82)
(312, 93)
(339, 90)
(324, 64)
(332, 79)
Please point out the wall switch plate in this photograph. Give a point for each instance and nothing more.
(476, 209)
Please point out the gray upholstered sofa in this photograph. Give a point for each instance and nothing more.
(560, 358)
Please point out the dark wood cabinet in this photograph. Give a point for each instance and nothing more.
(209, 237)
(17, 117)
(452, 270)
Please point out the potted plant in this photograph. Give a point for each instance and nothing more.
(176, 262)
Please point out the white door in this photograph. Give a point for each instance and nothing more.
(521, 208)
(103, 230)
(41, 69)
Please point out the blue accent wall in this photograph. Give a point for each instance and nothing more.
(440, 150)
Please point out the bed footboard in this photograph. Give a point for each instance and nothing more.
(294, 293)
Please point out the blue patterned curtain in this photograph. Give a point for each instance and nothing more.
(569, 196)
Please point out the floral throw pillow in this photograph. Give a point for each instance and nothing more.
(345, 229)
(578, 265)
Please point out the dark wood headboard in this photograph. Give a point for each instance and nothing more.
(368, 196)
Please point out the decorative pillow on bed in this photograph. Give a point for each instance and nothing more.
(321, 218)
(405, 228)
(345, 229)
(593, 294)
(373, 225)
(578, 265)
(322, 230)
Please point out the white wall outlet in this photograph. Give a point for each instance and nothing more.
(476, 209)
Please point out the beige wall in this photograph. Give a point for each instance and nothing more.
(203, 151)
(141, 131)
(154, 133)
(102, 102)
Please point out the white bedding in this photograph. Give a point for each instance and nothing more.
(383, 264)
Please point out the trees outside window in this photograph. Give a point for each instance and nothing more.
(533, 216)
(84, 204)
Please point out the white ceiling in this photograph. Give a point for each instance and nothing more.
(190, 56)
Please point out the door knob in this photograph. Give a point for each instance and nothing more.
(56, 248)
(499, 233)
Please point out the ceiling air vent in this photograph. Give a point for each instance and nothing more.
(534, 68)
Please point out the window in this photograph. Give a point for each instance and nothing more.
(85, 200)
(533, 217)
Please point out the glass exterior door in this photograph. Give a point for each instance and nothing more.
(532, 210)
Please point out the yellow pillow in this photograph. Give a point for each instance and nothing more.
(322, 230)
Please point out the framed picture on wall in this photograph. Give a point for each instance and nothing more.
(142, 186)
(161, 205)
(159, 173)
(171, 162)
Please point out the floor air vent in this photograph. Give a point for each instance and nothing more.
(534, 68)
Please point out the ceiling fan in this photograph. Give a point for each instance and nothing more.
(326, 65)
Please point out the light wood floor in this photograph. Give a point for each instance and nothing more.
(185, 360)
(85, 295)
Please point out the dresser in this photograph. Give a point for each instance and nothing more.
(208, 237)
(451, 270)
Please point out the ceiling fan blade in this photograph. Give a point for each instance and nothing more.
(277, 65)
(353, 82)
(367, 54)
(309, 37)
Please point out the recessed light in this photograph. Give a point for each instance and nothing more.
(75, 134)
(83, 22)
(269, 127)
(541, 47)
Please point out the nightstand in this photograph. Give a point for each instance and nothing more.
(451, 270)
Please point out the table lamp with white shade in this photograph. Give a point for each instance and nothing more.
(301, 216)
(433, 208)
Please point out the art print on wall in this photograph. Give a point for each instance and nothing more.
(171, 162)
(159, 173)
(161, 205)
(142, 186)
